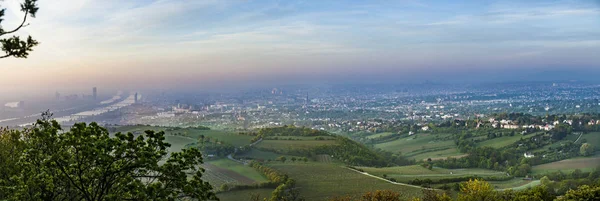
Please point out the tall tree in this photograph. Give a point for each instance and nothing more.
(14, 46)
(87, 163)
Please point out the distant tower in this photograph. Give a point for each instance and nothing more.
(306, 100)
(136, 97)
(95, 92)
(57, 95)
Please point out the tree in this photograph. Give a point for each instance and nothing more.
(586, 149)
(584, 192)
(11, 148)
(305, 159)
(293, 159)
(282, 159)
(224, 187)
(545, 181)
(14, 46)
(86, 163)
(476, 190)
(286, 192)
(384, 195)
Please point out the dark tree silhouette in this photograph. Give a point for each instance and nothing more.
(14, 46)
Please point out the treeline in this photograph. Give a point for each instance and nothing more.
(192, 127)
(428, 182)
(562, 182)
(490, 158)
(210, 146)
(353, 153)
(286, 131)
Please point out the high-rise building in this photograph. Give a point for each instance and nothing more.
(136, 97)
(95, 92)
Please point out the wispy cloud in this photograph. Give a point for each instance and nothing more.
(270, 35)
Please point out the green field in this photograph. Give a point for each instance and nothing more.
(225, 136)
(422, 147)
(379, 135)
(592, 138)
(293, 144)
(514, 184)
(261, 155)
(177, 142)
(320, 181)
(438, 155)
(240, 169)
(504, 141)
(193, 133)
(245, 194)
(408, 173)
(586, 164)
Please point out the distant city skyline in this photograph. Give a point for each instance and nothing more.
(215, 43)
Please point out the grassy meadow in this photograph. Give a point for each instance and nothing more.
(321, 181)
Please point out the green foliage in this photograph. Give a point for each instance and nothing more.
(583, 193)
(286, 192)
(86, 163)
(271, 174)
(561, 131)
(14, 46)
(586, 149)
(11, 148)
(476, 190)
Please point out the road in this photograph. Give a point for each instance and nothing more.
(391, 182)
(230, 156)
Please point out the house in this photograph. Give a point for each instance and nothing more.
(548, 127)
(528, 155)
(509, 126)
(495, 125)
(411, 133)
(425, 128)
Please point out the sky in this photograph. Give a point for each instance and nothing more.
(214, 43)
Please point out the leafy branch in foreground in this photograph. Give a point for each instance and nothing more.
(14, 46)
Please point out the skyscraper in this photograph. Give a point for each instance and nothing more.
(136, 97)
(95, 92)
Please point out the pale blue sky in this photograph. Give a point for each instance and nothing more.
(184, 41)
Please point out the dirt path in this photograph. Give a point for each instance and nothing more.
(578, 138)
(391, 182)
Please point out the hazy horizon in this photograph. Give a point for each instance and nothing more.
(207, 45)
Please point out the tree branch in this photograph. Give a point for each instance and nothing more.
(19, 27)
(5, 56)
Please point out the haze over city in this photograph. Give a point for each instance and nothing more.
(201, 44)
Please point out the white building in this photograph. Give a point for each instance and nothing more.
(528, 155)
